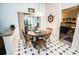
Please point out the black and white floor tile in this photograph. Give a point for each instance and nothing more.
(53, 48)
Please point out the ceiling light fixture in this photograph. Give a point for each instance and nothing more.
(38, 13)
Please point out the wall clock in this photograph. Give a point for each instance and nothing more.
(50, 18)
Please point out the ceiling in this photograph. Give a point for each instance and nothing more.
(75, 8)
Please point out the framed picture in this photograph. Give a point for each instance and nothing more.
(31, 10)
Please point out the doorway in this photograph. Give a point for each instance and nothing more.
(68, 24)
(27, 22)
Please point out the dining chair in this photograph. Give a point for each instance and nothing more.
(27, 39)
(47, 36)
(39, 44)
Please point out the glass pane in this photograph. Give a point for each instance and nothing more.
(32, 22)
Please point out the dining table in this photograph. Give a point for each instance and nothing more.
(38, 34)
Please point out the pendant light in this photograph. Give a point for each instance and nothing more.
(38, 13)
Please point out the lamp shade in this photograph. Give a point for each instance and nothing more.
(38, 14)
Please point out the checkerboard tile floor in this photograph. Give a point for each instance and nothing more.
(53, 48)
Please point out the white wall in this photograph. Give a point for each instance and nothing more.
(68, 5)
(75, 43)
(8, 13)
(43, 10)
(0, 19)
(55, 10)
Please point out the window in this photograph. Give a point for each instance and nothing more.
(31, 23)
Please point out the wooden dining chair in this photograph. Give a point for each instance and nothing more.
(27, 38)
(47, 36)
(39, 44)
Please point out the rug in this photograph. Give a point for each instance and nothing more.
(68, 39)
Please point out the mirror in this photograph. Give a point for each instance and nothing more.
(31, 23)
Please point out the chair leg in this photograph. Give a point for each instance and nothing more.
(39, 50)
(34, 46)
(45, 47)
(49, 39)
(27, 44)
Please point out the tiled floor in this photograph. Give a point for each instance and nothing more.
(53, 48)
(66, 42)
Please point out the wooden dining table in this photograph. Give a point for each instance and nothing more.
(38, 33)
